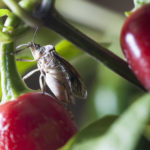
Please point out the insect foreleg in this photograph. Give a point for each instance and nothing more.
(21, 48)
(42, 82)
(27, 60)
(30, 73)
(18, 51)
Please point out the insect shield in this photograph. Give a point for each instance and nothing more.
(59, 75)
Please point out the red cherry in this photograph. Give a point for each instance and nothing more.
(135, 43)
(34, 121)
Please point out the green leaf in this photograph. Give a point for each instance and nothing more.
(123, 134)
(91, 132)
(4, 12)
(23, 67)
(68, 50)
(139, 3)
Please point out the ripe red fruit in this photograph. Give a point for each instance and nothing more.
(135, 43)
(34, 121)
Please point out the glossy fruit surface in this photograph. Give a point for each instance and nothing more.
(34, 121)
(135, 43)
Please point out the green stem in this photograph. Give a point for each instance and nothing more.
(27, 5)
(22, 13)
(4, 37)
(11, 82)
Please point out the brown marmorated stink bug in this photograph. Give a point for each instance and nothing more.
(59, 75)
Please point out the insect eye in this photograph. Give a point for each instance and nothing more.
(37, 46)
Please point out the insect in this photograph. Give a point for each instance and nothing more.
(59, 75)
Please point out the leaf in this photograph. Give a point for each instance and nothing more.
(68, 50)
(123, 134)
(4, 12)
(139, 3)
(91, 132)
(23, 67)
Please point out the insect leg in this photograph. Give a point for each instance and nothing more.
(30, 73)
(42, 82)
(43, 85)
(27, 60)
(21, 48)
(18, 51)
(22, 45)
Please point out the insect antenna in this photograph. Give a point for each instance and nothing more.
(34, 35)
(22, 47)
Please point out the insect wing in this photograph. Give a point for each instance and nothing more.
(77, 86)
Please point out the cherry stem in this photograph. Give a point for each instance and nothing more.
(11, 82)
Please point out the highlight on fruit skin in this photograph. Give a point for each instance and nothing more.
(34, 121)
(135, 43)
